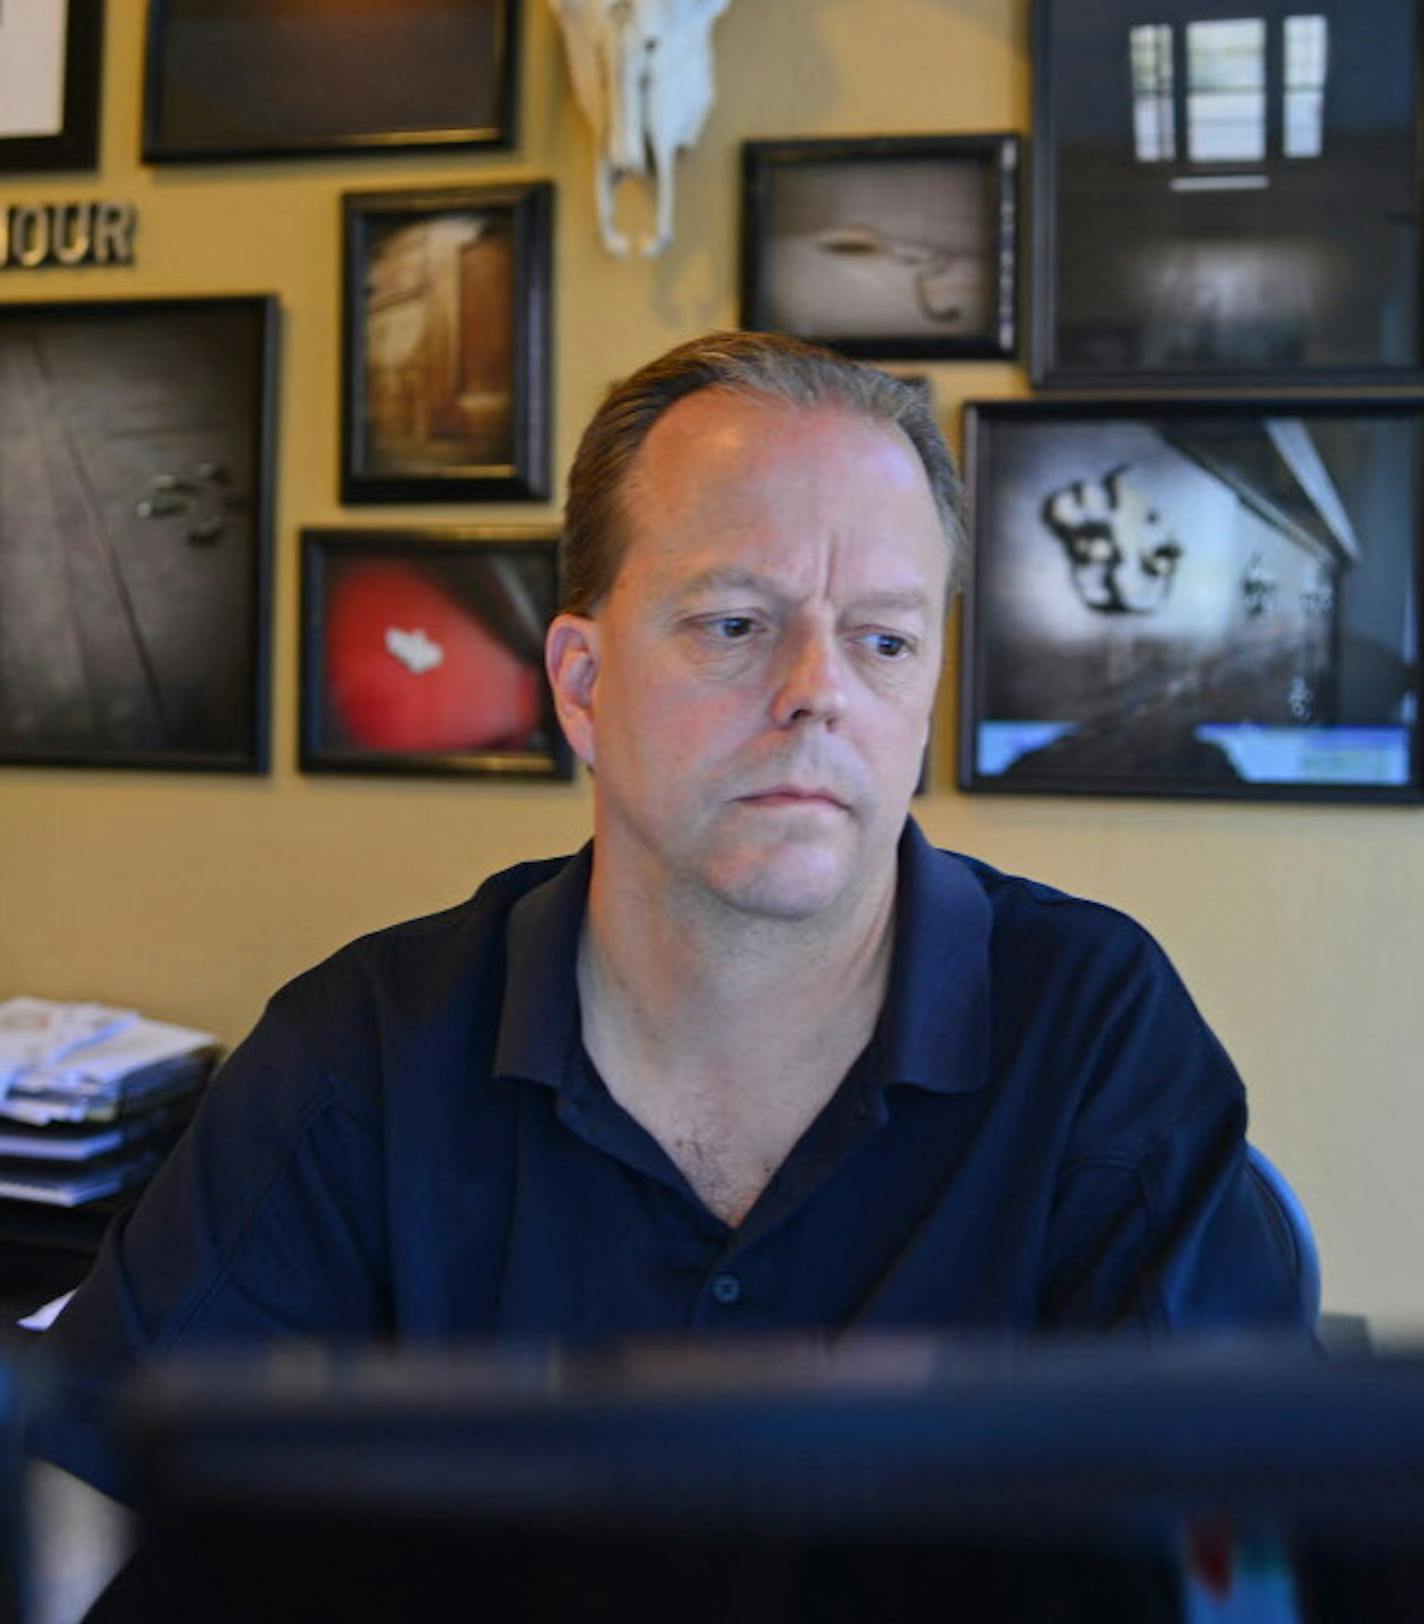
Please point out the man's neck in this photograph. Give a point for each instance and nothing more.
(725, 1034)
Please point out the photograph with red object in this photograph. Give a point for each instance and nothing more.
(422, 652)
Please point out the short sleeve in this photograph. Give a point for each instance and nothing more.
(266, 1222)
(1156, 1221)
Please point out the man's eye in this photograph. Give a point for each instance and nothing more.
(733, 627)
(889, 645)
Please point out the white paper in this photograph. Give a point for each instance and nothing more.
(38, 1098)
(39, 1144)
(41, 1031)
(141, 1043)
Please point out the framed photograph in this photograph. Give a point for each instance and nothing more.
(447, 317)
(1226, 198)
(423, 652)
(1195, 597)
(253, 79)
(892, 247)
(135, 495)
(51, 54)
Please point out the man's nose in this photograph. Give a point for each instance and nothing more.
(811, 685)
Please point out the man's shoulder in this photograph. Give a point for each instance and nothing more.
(1022, 910)
(480, 915)
(418, 971)
(1076, 968)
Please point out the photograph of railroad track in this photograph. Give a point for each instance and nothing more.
(134, 532)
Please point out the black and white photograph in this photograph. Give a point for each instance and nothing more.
(446, 361)
(135, 453)
(1226, 193)
(254, 79)
(887, 247)
(50, 53)
(1178, 597)
(423, 652)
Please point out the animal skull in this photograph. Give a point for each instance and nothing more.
(642, 72)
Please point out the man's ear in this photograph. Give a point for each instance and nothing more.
(571, 659)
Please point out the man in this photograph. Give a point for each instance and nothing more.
(760, 1057)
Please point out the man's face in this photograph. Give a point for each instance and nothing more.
(757, 689)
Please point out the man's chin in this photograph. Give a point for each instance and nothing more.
(789, 884)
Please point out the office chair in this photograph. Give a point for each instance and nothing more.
(1292, 1225)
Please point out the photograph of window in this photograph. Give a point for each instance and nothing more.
(1226, 198)
(1172, 597)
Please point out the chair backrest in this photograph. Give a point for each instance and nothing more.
(1293, 1227)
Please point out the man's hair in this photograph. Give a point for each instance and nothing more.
(765, 366)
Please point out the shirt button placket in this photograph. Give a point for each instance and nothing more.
(726, 1289)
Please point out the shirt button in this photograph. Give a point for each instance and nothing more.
(726, 1288)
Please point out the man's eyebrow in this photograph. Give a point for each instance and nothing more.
(722, 577)
(911, 598)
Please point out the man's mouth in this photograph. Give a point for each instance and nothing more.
(794, 795)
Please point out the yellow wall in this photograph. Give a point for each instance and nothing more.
(1300, 929)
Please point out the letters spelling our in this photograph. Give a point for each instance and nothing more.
(36, 234)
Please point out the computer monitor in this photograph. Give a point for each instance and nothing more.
(781, 1480)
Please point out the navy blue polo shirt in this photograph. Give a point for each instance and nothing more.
(413, 1143)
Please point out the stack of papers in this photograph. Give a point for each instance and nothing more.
(86, 1094)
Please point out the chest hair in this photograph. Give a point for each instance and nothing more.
(728, 1182)
(729, 1151)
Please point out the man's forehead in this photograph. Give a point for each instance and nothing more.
(720, 422)
(723, 446)
(783, 501)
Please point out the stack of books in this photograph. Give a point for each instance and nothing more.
(90, 1097)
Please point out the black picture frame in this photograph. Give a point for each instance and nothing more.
(136, 454)
(58, 56)
(1226, 200)
(884, 247)
(248, 80)
(1181, 596)
(447, 322)
(422, 653)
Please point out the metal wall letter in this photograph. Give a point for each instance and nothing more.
(37, 235)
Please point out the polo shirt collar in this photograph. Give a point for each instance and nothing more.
(934, 1028)
(540, 1032)
(933, 1031)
